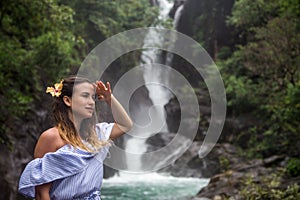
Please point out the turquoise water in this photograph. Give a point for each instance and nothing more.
(150, 187)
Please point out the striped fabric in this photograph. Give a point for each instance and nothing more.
(74, 173)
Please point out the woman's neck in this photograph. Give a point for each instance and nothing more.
(76, 121)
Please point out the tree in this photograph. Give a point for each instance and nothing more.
(269, 57)
(36, 47)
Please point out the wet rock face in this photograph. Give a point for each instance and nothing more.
(5, 187)
(222, 156)
(190, 11)
(14, 158)
(190, 165)
(220, 34)
(177, 4)
(173, 115)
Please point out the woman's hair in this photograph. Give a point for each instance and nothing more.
(64, 124)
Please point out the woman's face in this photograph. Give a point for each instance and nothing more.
(83, 100)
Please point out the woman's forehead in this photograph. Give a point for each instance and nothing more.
(84, 87)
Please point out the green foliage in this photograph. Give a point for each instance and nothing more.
(97, 20)
(285, 110)
(252, 148)
(274, 54)
(289, 8)
(238, 92)
(120, 15)
(280, 132)
(224, 163)
(251, 13)
(208, 19)
(256, 142)
(268, 188)
(35, 45)
(260, 69)
(293, 167)
(262, 75)
(43, 41)
(240, 89)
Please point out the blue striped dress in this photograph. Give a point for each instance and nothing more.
(74, 173)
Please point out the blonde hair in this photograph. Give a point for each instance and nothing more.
(65, 125)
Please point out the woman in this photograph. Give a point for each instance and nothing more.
(69, 157)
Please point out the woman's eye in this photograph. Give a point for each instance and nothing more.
(85, 95)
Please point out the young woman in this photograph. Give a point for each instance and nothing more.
(69, 157)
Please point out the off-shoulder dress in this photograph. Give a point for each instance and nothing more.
(74, 173)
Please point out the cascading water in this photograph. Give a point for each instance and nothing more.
(157, 93)
(127, 186)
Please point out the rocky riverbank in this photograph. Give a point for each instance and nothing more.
(232, 176)
(260, 178)
(235, 177)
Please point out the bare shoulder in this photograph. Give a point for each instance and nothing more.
(49, 141)
(51, 134)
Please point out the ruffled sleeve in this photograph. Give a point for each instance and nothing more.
(65, 162)
(103, 130)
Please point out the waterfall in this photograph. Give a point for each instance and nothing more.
(153, 185)
(177, 15)
(157, 93)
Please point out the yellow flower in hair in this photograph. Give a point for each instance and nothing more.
(56, 90)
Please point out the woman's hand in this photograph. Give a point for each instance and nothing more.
(123, 123)
(103, 91)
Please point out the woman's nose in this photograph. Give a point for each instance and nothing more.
(92, 100)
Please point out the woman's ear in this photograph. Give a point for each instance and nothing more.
(67, 100)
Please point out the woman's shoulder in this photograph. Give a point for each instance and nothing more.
(51, 133)
(49, 141)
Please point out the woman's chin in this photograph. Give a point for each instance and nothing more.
(89, 116)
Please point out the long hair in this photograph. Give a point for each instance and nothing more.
(66, 127)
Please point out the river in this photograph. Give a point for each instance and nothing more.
(152, 186)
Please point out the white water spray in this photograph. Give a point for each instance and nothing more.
(158, 94)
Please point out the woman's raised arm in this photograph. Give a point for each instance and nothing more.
(123, 122)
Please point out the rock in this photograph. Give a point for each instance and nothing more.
(173, 115)
(176, 5)
(13, 159)
(226, 185)
(190, 165)
(222, 185)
